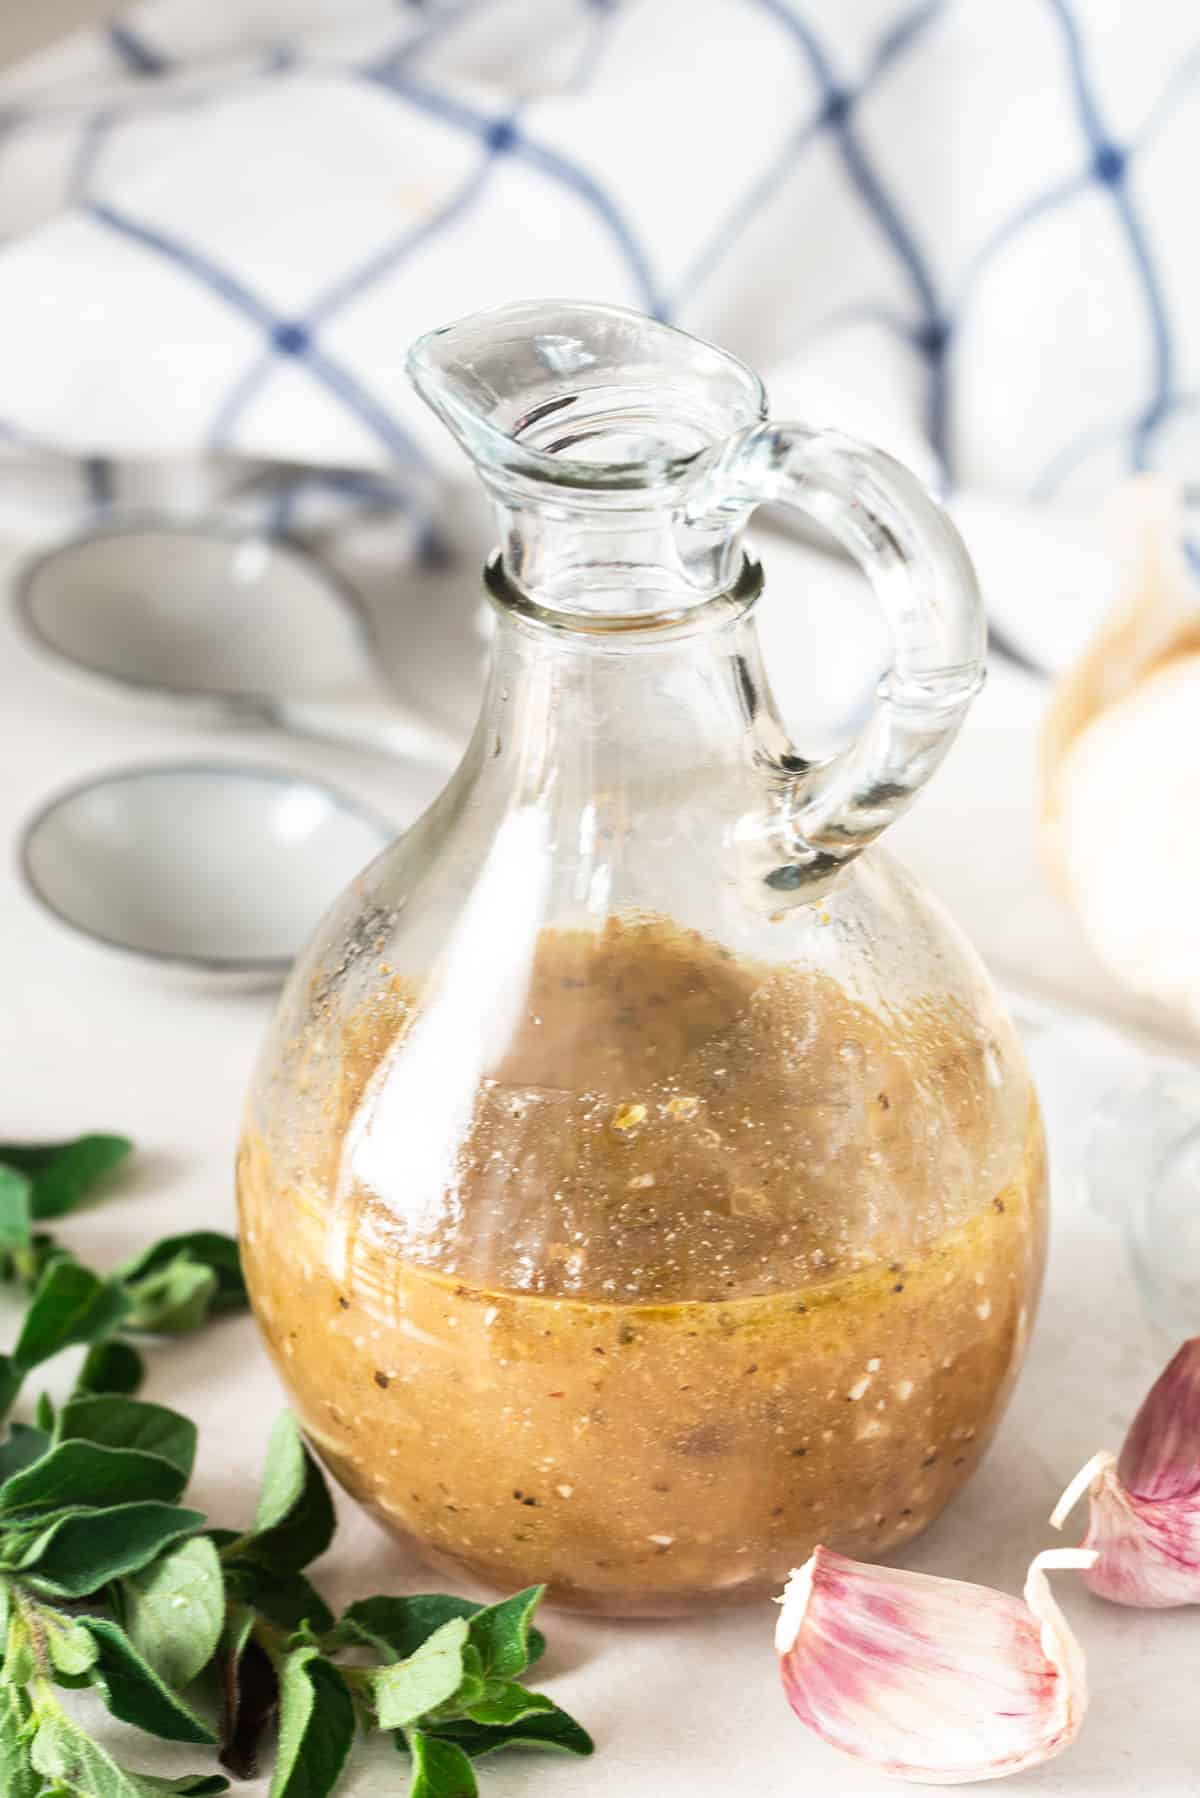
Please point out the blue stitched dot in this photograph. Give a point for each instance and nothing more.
(290, 340)
(837, 106)
(501, 135)
(933, 336)
(1108, 164)
(433, 551)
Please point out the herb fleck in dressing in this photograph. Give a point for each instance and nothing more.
(729, 1264)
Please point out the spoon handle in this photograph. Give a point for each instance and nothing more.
(369, 721)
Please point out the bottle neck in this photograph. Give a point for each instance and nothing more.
(599, 556)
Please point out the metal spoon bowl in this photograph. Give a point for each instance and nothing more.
(210, 870)
(225, 623)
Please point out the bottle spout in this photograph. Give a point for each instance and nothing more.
(592, 427)
(582, 395)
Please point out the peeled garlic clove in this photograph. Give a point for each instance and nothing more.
(1120, 764)
(931, 1679)
(1144, 1509)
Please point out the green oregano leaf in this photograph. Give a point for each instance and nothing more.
(440, 1769)
(316, 1726)
(113, 1421)
(16, 1211)
(501, 1633)
(396, 1627)
(174, 1610)
(405, 1691)
(11, 1380)
(209, 1252)
(110, 1368)
(295, 1519)
(194, 1785)
(71, 1647)
(174, 1300)
(283, 1476)
(551, 1730)
(63, 1173)
(134, 1692)
(82, 1551)
(71, 1304)
(86, 1473)
(505, 1703)
(23, 1447)
(17, 1776)
(63, 1751)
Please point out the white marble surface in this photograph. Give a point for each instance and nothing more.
(90, 1041)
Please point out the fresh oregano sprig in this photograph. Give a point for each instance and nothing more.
(210, 1637)
(107, 1580)
(177, 1284)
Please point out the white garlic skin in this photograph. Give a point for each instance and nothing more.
(1120, 763)
(928, 1679)
(1144, 1509)
(1148, 1551)
(1128, 793)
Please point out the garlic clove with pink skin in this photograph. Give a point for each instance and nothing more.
(931, 1679)
(1144, 1508)
(1161, 1456)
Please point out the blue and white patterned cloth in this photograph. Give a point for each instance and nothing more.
(960, 228)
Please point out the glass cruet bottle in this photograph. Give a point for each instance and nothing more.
(640, 1182)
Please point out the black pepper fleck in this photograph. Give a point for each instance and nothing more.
(381, 1380)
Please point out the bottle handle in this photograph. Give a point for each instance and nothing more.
(918, 566)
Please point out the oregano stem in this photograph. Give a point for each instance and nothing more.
(35, 1631)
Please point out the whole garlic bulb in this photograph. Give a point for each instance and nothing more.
(1121, 767)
